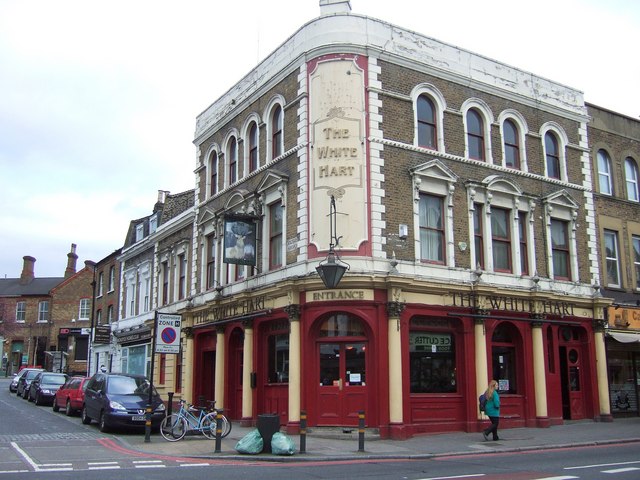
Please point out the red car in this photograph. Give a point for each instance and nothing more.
(70, 396)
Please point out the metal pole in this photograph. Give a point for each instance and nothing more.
(147, 428)
(218, 431)
(303, 431)
(170, 404)
(361, 431)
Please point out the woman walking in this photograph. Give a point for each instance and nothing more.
(492, 409)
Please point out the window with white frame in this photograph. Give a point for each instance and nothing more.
(560, 249)
(475, 135)
(631, 178)
(210, 257)
(99, 317)
(139, 232)
(100, 283)
(432, 228)
(182, 276)
(434, 185)
(21, 312)
(212, 167)
(112, 278)
(604, 172)
(501, 239)
(275, 235)
(84, 311)
(252, 150)
(130, 293)
(164, 274)
(146, 294)
(511, 139)
(478, 235)
(232, 160)
(635, 240)
(554, 143)
(560, 213)
(110, 318)
(153, 224)
(43, 311)
(612, 258)
(428, 107)
(277, 134)
(524, 244)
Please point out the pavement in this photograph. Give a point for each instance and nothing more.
(331, 444)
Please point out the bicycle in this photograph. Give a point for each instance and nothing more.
(175, 426)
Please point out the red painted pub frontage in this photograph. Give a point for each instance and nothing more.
(333, 354)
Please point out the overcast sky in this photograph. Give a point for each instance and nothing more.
(98, 99)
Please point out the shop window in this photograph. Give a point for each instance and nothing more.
(81, 348)
(504, 359)
(278, 358)
(432, 360)
(623, 375)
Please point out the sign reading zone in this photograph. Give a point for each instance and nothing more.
(168, 333)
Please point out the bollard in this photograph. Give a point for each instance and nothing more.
(303, 431)
(218, 431)
(147, 425)
(170, 404)
(361, 431)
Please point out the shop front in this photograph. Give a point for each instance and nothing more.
(623, 360)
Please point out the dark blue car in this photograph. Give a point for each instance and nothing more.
(119, 400)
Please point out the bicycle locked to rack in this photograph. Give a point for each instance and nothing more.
(197, 419)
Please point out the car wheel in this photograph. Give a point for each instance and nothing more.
(86, 419)
(102, 423)
(55, 406)
(38, 400)
(67, 408)
(29, 399)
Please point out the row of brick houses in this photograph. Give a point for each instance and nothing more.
(488, 218)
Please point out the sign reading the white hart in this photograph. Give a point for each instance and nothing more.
(338, 157)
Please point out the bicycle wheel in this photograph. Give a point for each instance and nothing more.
(208, 426)
(173, 428)
(226, 424)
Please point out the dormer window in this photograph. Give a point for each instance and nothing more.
(139, 232)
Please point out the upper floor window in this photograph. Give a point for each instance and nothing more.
(552, 153)
(253, 147)
(604, 173)
(21, 312)
(432, 231)
(84, 309)
(426, 118)
(100, 283)
(110, 318)
(631, 176)
(511, 139)
(112, 278)
(611, 258)
(478, 235)
(153, 224)
(275, 235)
(560, 249)
(165, 282)
(146, 291)
(213, 173)
(277, 132)
(43, 311)
(501, 239)
(475, 135)
(99, 317)
(211, 261)
(139, 232)
(524, 244)
(182, 276)
(636, 259)
(232, 155)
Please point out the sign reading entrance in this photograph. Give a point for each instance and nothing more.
(168, 333)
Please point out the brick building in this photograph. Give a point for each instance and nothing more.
(615, 152)
(457, 190)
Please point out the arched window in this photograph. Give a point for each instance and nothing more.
(475, 134)
(631, 176)
(552, 153)
(253, 147)
(604, 173)
(276, 132)
(511, 140)
(427, 131)
(232, 155)
(213, 173)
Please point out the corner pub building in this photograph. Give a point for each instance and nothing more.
(463, 209)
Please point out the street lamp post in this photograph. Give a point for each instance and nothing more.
(332, 270)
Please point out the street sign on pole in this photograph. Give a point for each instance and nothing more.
(168, 333)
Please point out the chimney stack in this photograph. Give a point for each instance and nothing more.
(27, 275)
(72, 259)
(331, 7)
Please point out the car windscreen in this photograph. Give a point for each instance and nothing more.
(128, 386)
(53, 379)
(31, 374)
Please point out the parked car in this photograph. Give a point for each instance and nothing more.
(26, 376)
(44, 386)
(120, 400)
(70, 396)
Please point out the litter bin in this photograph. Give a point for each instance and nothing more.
(268, 424)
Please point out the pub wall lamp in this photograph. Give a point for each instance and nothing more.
(332, 270)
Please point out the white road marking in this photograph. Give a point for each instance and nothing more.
(621, 470)
(600, 465)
